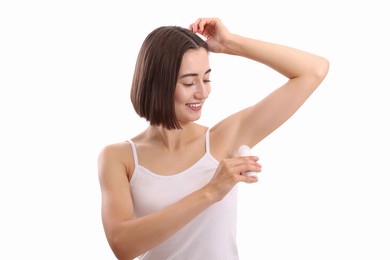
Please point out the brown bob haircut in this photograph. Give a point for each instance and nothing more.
(156, 72)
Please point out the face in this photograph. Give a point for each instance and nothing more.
(193, 85)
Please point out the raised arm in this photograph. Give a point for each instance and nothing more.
(305, 72)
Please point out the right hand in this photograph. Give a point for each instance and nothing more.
(230, 172)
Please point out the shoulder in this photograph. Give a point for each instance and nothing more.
(114, 152)
(116, 157)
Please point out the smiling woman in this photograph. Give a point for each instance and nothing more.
(152, 95)
(170, 192)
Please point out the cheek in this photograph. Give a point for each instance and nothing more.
(182, 95)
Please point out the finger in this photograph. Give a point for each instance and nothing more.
(191, 27)
(243, 161)
(194, 27)
(250, 169)
(252, 159)
(247, 166)
(202, 23)
(247, 179)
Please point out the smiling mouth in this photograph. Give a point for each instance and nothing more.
(194, 105)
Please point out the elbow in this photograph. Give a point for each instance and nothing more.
(315, 74)
(121, 254)
(321, 68)
(122, 251)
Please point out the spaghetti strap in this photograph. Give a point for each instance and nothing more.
(135, 156)
(208, 150)
(208, 141)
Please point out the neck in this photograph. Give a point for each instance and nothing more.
(173, 139)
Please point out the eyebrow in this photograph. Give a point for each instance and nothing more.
(193, 74)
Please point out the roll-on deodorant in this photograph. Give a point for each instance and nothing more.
(245, 150)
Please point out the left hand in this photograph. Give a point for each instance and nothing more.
(214, 31)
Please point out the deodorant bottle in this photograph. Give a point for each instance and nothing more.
(245, 150)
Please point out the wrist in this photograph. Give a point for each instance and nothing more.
(232, 44)
(208, 194)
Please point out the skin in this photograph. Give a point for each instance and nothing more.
(129, 236)
(193, 86)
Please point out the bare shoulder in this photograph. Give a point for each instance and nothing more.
(115, 150)
(116, 157)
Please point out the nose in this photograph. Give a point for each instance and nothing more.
(202, 91)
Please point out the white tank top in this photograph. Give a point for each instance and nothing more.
(210, 235)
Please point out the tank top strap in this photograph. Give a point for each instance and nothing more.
(208, 141)
(135, 156)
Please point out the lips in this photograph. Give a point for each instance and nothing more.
(194, 106)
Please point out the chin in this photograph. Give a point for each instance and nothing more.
(188, 120)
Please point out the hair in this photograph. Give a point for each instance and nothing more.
(156, 72)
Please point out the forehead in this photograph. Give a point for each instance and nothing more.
(194, 61)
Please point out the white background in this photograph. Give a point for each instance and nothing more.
(65, 75)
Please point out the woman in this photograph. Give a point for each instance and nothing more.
(170, 192)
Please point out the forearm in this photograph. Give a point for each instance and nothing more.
(136, 236)
(288, 61)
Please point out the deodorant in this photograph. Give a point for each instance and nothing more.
(245, 150)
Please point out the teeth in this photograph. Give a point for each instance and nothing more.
(194, 105)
